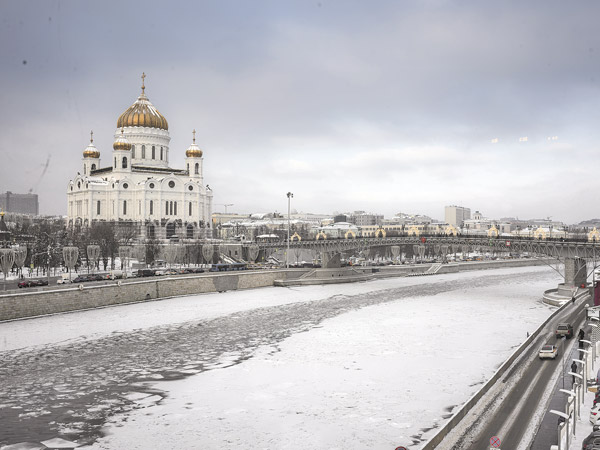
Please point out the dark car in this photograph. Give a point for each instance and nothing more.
(30, 283)
(564, 329)
(82, 279)
(95, 277)
(145, 273)
(592, 441)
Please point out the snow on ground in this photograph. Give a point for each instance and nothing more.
(378, 377)
(93, 324)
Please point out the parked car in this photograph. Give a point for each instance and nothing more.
(64, 278)
(564, 329)
(593, 440)
(30, 283)
(82, 279)
(548, 351)
(145, 273)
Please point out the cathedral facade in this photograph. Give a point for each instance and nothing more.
(138, 187)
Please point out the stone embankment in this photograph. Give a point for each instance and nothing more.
(53, 300)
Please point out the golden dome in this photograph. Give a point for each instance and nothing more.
(121, 143)
(193, 150)
(91, 151)
(142, 114)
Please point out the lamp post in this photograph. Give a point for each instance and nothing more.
(287, 253)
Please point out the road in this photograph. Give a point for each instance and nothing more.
(514, 409)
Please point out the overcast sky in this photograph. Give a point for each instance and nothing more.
(351, 105)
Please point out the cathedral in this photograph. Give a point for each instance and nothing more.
(139, 188)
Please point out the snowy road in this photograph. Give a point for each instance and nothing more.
(372, 365)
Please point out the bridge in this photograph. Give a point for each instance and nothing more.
(574, 253)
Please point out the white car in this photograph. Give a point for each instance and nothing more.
(595, 414)
(548, 351)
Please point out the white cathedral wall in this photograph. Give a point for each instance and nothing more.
(148, 137)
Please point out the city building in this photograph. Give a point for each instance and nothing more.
(361, 218)
(456, 215)
(19, 203)
(138, 186)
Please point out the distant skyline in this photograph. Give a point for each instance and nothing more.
(384, 106)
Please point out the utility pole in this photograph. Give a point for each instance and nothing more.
(287, 253)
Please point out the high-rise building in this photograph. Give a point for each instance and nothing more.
(19, 203)
(456, 215)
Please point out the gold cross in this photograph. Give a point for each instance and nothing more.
(194, 133)
(91, 136)
(143, 76)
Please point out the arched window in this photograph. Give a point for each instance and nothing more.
(151, 207)
(153, 152)
(171, 208)
(124, 207)
(190, 208)
(151, 231)
(161, 153)
(175, 208)
(84, 169)
(115, 162)
(124, 162)
(167, 208)
(143, 151)
(93, 166)
(98, 207)
(170, 230)
(197, 169)
(188, 167)
(133, 151)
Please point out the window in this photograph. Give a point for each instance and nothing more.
(115, 163)
(84, 169)
(171, 208)
(143, 151)
(190, 231)
(93, 166)
(167, 208)
(124, 164)
(153, 152)
(151, 185)
(171, 184)
(125, 185)
(175, 208)
(161, 153)
(190, 188)
(98, 208)
(140, 207)
(197, 169)
(124, 207)
(190, 213)
(133, 151)
(151, 207)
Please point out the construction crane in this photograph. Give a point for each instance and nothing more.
(225, 205)
(34, 188)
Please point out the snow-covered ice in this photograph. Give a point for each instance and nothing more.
(378, 377)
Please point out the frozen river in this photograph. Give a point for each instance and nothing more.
(367, 365)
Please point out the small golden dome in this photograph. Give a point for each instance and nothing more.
(121, 143)
(193, 150)
(91, 151)
(142, 114)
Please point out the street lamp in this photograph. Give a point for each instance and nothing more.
(287, 253)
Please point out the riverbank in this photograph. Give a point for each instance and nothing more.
(54, 300)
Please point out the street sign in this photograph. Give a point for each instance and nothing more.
(495, 442)
(508, 243)
(423, 240)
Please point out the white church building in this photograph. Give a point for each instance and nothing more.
(139, 188)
